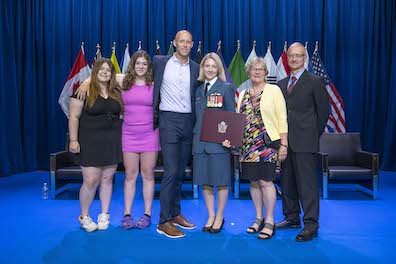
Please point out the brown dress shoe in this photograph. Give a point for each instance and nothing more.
(169, 230)
(182, 222)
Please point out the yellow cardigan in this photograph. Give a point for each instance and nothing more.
(273, 110)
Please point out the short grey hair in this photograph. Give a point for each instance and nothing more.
(254, 61)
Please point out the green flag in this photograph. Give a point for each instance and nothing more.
(171, 50)
(237, 69)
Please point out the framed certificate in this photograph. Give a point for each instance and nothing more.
(218, 125)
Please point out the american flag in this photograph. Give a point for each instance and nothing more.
(336, 122)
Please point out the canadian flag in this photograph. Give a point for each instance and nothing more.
(78, 74)
(282, 65)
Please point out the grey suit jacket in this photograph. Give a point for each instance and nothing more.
(224, 89)
(159, 63)
(307, 111)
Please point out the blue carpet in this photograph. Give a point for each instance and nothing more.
(354, 229)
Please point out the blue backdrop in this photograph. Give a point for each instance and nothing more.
(41, 39)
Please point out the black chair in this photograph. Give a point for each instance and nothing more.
(342, 161)
(64, 172)
(237, 180)
(188, 174)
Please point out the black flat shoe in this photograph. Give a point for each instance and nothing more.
(306, 235)
(206, 228)
(216, 230)
(286, 224)
(265, 236)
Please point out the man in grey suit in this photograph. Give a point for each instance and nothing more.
(175, 81)
(307, 105)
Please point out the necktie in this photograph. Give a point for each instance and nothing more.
(206, 88)
(290, 88)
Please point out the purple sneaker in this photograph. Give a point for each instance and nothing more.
(143, 222)
(127, 222)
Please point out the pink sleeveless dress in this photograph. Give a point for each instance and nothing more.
(137, 129)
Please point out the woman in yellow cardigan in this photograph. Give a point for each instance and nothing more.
(264, 142)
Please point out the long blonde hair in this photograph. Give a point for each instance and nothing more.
(219, 64)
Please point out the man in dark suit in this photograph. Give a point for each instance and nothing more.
(307, 113)
(175, 81)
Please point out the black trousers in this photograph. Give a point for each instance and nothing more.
(299, 182)
(175, 130)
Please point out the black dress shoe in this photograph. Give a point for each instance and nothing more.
(285, 224)
(306, 235)
(206, 228)
(216, 230)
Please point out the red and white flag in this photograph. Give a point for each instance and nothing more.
(336, 122)
(282, 65)
(78, 74)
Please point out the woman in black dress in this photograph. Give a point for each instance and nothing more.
(95, 138)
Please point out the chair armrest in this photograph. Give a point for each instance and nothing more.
(368, 160)
(61, 159)
(323, 160)
(235, 157)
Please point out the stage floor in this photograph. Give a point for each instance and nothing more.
(353, 229)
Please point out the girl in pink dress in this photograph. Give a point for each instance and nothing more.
(140, 143)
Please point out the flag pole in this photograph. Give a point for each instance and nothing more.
(199, 46)
(219, 45)
(114, 47)
(285, 46)
(316, 46)
(238, 44)
(140, 45)
(254, 44)
(306, 44)
(269, 46)
(156, 44)
(82, 47)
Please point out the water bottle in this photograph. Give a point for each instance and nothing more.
(45, 191)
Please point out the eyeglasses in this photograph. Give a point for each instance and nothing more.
(257, 70)
(295, 56)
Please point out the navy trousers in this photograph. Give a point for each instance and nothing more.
(176, 131)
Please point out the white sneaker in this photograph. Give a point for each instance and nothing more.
(103, 221)
(87, 223)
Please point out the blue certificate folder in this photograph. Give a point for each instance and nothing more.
(218, 126)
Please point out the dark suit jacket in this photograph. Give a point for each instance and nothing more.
(159, 63)
(224, 89)
(307, 111)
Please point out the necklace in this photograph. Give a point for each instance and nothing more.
(258, 89)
